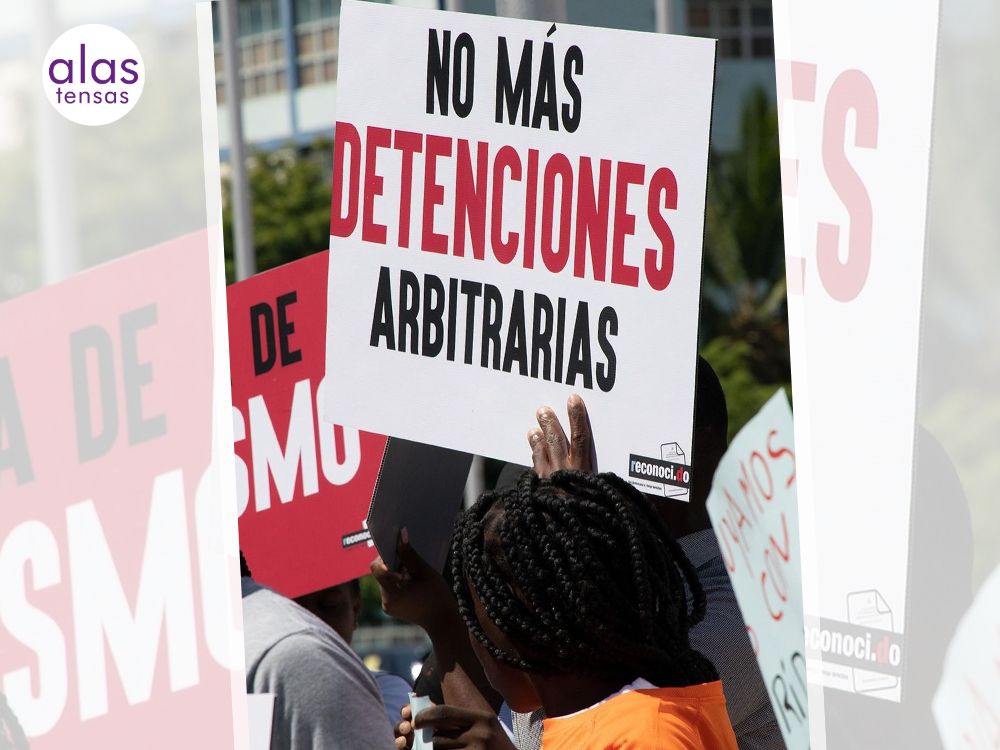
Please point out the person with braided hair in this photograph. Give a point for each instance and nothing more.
(576, 599)
(722, 634)
(420, 595)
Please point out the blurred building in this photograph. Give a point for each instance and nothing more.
(289, 57)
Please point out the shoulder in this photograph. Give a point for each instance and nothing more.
(311, 656)
(288, 645)
(270, 619)
(391, 683)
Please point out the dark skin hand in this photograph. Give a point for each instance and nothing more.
(551, 451)
(403, 730)
(454, 727)
(416, 593)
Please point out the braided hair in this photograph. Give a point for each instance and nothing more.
(581, 574)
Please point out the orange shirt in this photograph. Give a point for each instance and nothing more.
(691, 718)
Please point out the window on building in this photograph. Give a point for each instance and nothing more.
(317, 25)
(263, 65)
(743, 27)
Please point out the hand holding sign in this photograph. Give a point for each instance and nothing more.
(417, 593)
(463, 728)
(551, 451)
(404, 729)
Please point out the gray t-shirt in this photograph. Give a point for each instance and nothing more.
(325, 698)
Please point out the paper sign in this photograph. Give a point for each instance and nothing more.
(855, 129)
(754, 512)
(260, 719)
(115, 604)
(967, 703)
(518, 211)
(419, 487)
(423, 739)
(303, 485)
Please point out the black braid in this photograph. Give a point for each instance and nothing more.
(580, 572)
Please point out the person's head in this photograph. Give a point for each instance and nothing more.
(711, 431)
(710, 439)
(337, 606)
(575, 575)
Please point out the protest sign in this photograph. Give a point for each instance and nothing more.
(420, 487)
(303, 485)
(967, 703)
(855, 121)
(116, 608)
(753, 507)
(517, 215)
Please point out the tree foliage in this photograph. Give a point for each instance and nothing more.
(744, 312)
(290, 203)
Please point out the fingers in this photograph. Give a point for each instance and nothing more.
(441, 742)
(581, 442)
(555, 438)
(552, 451)
(448, 717)
(409, 559)
(539, 454)
(404, 729)
(381, 571)
(387, 580)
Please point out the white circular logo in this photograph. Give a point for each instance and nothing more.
(93, 74)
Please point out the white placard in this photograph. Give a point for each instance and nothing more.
(754, 511)
(856, 93)
(518, 211)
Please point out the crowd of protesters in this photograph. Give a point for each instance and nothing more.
(575, 613)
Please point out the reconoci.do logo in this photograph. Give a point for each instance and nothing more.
(93, 74)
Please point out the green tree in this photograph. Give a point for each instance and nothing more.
(744, 312)
(290, 203)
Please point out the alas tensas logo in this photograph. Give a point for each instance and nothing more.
(93, 74)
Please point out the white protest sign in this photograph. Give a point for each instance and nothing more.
(753, 507)
(856, 93)
(518, 212)
(260, 719)
(967, 703)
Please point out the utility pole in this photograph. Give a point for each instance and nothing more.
(243, 249)
(55, 177)
(666, 17)
(537, 10)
